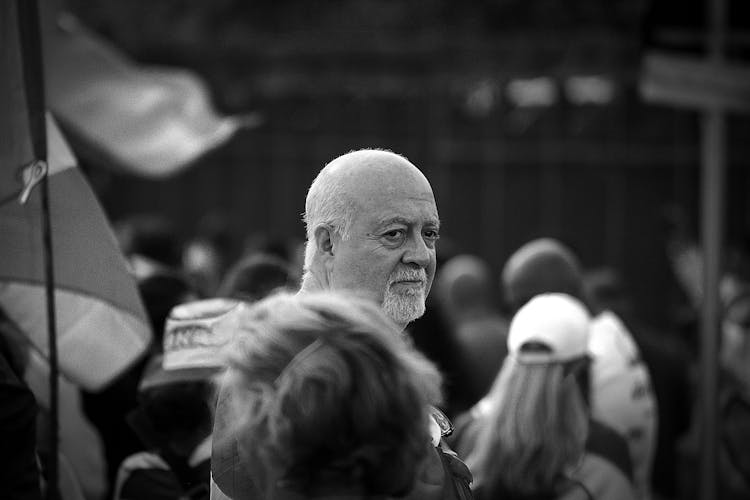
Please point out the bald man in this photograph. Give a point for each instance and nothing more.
(372, 226)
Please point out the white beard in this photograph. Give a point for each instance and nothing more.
(407, 304)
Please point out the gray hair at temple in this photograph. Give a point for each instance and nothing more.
(325, 386)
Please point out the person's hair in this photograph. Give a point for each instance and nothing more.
(534, 433)
(326, 204)
(324, 387)
(255, 276)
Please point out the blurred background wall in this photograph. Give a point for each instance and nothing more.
(525, 115)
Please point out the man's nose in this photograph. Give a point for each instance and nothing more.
(417, 252)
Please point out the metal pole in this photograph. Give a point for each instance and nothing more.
(31, 43)
(49, 272)
(713, 181)
(711, 223)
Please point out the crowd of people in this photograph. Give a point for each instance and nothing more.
(286, 376)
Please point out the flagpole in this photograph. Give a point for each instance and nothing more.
(28, 18)
(713, 184)
(49, 272)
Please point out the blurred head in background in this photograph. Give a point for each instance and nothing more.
(327, 396)
(543, 265)
(256, 276)
(152, 238)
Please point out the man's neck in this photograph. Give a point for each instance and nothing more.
(312, 283)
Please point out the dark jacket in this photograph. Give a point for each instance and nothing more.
(19, 473)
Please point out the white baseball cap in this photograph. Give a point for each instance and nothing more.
(556, 322)
(194, 335)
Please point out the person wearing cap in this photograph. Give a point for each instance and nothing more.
(372, 228)
(526, 439)
(175, 412)
(328, 399)
(619, 390)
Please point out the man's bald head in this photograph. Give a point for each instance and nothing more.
(347, 182)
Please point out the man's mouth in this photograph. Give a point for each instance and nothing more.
(409, 282)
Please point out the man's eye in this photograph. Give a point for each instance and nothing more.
(394, 235)
(431, 235)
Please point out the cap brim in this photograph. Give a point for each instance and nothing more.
(161, 377)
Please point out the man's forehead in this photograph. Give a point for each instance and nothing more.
(426, 218)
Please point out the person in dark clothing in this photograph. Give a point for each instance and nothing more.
(151, 237)
(733, 479)
(174, 416)
(668, 362)
(106, 409)
(19, 472)
(463, 289)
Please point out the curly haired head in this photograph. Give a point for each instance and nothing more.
(326, 392)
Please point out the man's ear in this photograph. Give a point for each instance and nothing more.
(324, 240)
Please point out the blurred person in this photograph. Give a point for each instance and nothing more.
(161, 289)
(329, 400)
(529, 440)
(289, 249)
(208, 252)
(24, 427)
(20, 477)
(255, 276)
(372, 226)
(86, 464)
(668, 363)
(464, 291)
(203, 262)
(149, 241)
(619, 395)
(433, 336)
(174, 416)
(733, 421)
